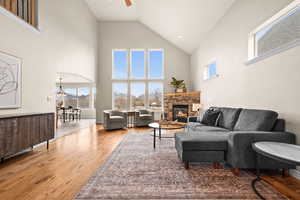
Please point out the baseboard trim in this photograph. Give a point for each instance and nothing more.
(295, 173)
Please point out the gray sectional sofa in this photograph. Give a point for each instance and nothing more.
(229, 139)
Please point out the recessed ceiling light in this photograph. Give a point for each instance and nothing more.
(180, 37)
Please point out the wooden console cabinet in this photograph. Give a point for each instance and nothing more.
(22, 131)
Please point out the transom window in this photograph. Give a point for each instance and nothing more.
(277, 34)
(137, 79)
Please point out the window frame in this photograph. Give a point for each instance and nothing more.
(145, 80)
(162, 93)
(113, 64)
(130, 94)
(91, 98)
(252, 43)
(206, 70)
(130, 64)
(112, 92)
(76, 97)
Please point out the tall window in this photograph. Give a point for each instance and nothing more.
(84, 97)
(155, 95)
(120, 95)
(138, 96)
(156, 64)
(120, 64)
(71, 98)
(94, 96)
(137, 78)
(137, 64)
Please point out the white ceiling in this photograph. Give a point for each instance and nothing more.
(182, 22)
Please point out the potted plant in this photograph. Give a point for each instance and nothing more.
(178, 85)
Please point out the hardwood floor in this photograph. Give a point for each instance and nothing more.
(288, 186)
(60, 172)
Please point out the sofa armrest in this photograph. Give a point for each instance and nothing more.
(240, 153)
(136, 115)
(105, 118)
(125, 115)
(192, 119)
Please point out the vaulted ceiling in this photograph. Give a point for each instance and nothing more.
(183, 22)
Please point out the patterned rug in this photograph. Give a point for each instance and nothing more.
(136, 171)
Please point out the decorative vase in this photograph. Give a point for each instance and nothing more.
(179, 90)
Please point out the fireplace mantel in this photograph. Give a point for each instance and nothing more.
(184, 98)
(182, 94)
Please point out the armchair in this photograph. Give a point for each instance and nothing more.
(113, 119)
(143, 118)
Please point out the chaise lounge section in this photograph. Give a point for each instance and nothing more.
(229, 139)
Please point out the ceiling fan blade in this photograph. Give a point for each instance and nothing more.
(128, 3)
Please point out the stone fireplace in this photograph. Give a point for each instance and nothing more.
(178, 106)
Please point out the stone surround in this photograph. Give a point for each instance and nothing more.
(185, 98)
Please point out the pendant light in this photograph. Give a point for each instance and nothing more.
(60, 91)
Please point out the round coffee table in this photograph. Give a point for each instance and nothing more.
(286, 153)
(164, 125)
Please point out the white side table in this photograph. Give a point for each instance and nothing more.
(287, 153)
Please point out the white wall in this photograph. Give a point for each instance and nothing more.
(269, 84)
(67, 42)
(134, 35)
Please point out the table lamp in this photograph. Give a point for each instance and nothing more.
(197, 107)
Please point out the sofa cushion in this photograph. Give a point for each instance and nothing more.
(279, 125)
(146, 116)
(210, 117)
(212, 141)
(209, 129)
(144, 112)
(116, 119)
(227, 117)
(256, 120)
(193, 125)
(115, 113)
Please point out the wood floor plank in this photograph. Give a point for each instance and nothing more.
(60, 172)
(288, 186)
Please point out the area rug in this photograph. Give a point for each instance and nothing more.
(136, 171)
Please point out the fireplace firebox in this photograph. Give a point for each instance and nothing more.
(180, 113)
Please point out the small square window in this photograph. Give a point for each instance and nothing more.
(210, 71)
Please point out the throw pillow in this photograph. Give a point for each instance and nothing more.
(200, 116)
(210, 117)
